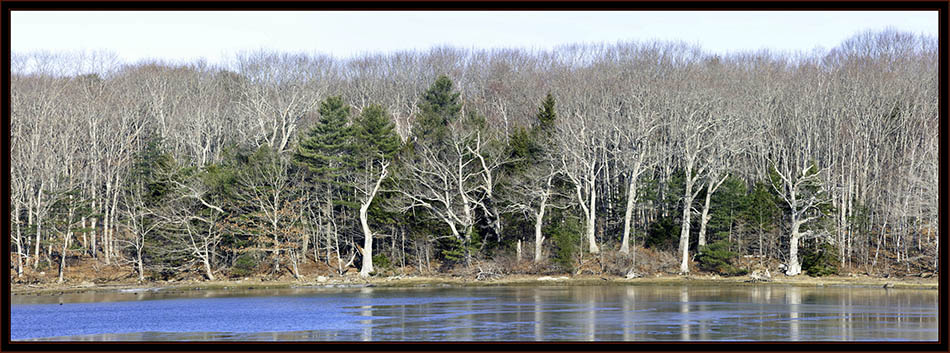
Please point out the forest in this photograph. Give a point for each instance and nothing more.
(626, 158)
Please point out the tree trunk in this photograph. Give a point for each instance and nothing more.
(293, 262)
(705, 217)
(538, 237)
(684, 242)
(39, 226)
(794, 267)
(276, 254)
(367, 242)
(93, 223)
(592, 220)
(110, 242)
(305, 238)
(628, 214)
(207, 264)
(19, 246)
(62, 257)
(364, 222)
(141, 265)
(518, 251)
(684, 231)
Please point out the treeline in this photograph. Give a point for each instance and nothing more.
(633, 156)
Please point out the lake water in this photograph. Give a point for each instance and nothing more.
(581, 313)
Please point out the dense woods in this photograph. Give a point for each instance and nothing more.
(631, 159)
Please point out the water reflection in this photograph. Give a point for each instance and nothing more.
(608, 313)
(793, 297)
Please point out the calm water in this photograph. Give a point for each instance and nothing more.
(607, 313)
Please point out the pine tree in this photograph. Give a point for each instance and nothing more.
(762, 213)
(375, 135)
(728, 204)
(323, 149)
(152, 172)
(546, 115)
(440, 106)
(375, 143)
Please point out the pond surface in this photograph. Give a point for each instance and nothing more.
(581, 313)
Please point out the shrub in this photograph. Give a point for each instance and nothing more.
(244, 265)
(820, 260)
(662, 234)
(717, 257)
(381, 263)
(454, 250)
(566, 233)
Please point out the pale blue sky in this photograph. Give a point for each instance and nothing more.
(214, 35)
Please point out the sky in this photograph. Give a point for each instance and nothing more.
(216, 36)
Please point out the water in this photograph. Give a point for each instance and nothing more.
(577, 313)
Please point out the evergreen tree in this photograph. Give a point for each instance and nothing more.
(152, 172)
(375, 144)
(819, 259)
(323, 149)
(727, 205)
(762, 213)
(440, 106)
(546, 116)
(151, 182)
(375, 135)
(718, 257)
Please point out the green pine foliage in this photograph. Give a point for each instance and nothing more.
(718, 257)
(547, 114)
(375, 135)
(527, 147)
(324, 148)
(565, 231)
(662, 234)
(727, 206)
(153, 171)
(381, 263)
(440, 106)
(820, 260)
(522, 150)
(244, 266)
(763, 210)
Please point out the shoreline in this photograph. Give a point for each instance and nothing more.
(448, 281)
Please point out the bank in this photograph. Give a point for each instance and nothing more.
(456, 281)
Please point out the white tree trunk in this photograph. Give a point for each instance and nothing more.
(207, 264)
(592, 220)
(684, 231)
(794, 267)
(39, 226)
(538, 222)
(705, 217)
(367, 242)
(628, 214)
(19, 246)
(518, 251)
(62, 258)
(140, 263)
(276, 254)
(364, 222)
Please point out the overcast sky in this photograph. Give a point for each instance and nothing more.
(215, 35)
